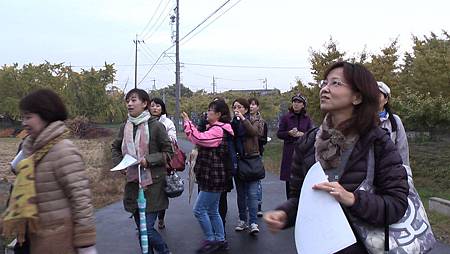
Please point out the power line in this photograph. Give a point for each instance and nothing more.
(201, 23)
(151, 68)
(151, 19)
(248, 66)
(118, 65)
(206, 19)
(164, 11)
(211, 22)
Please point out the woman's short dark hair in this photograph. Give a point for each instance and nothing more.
(253, 99)
(243, 102)
(365, 114)
(160, 102)
(46, 103)
(222, 107)
(141, 94)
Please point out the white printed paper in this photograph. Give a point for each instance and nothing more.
(126, 162)
(20, 156)
(321, 226)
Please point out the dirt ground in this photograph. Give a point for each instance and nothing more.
(106, 187)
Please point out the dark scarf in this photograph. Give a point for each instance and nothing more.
(331, 143)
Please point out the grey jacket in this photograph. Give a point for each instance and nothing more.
(398, 137)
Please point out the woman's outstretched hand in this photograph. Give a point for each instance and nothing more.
(337, 191)
(275, 220)
(185, 116)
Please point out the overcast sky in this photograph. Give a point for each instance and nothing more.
(261, 33)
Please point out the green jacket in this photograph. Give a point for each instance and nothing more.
(159, 145)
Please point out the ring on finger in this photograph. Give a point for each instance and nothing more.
(332, 189)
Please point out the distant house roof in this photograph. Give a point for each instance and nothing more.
(258, 91)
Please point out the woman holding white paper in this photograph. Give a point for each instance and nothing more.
(146, 139)
(349, 97)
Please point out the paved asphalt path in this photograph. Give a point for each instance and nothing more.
(116, 232)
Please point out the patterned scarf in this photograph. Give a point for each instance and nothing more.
(137, 146)
(22, 212)
(331, 143)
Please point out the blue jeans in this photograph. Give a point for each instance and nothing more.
(206, 210)
(154, 238)
(247, 197)
(259, 193)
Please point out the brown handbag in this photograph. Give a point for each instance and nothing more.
(177, 162)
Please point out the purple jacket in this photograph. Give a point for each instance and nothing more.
(290, 120)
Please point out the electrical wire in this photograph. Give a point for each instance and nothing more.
(158, 20)
(151, 19)
(209, 23)
(248, 66)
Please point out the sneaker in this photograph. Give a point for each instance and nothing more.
(259, 213)
(223, 245)
(241, 226)
(254, 229)
(208, 247)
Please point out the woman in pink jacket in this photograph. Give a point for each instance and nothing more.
(212, 172)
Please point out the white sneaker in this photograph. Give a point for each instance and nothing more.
(254, 229)
(241, 225)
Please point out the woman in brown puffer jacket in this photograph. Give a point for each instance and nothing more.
(62, 220)
(349, 97)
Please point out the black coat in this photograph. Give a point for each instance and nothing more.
(390, 180)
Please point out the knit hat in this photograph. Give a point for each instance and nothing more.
(384, 88)
(298, 97)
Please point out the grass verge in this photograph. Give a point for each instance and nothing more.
(431, 171)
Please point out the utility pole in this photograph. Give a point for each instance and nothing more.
(214, 85)
(154, 84)
(177, 66)
(136, 42)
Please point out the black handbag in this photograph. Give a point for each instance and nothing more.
(251, 169)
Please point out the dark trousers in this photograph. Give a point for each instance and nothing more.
(161, 215)
(288, 190)
(223, 207)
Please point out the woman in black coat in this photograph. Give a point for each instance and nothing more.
(349, 97)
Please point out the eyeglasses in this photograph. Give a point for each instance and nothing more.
(333, 83)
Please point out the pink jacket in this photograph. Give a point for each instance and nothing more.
(210, 138)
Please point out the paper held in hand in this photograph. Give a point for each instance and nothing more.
(321, 226)
(20, 156)
(126, 162)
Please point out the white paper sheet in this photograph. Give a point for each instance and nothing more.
(20, 156)
(126, 162)
(321, 226)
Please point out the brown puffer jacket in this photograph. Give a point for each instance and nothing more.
(390, 180)
(66, 214)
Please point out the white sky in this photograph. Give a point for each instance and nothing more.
(253, 33)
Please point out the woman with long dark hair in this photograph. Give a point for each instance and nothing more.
(349, 97)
